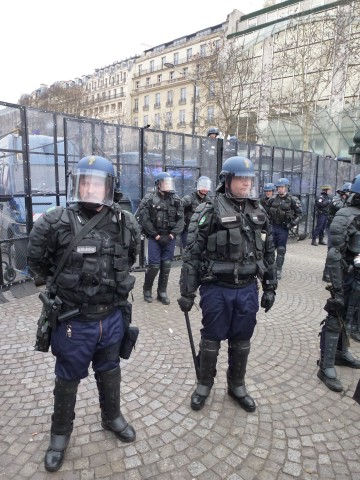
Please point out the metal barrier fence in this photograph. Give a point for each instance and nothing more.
(38, 149)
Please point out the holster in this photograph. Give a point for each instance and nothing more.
(128, 341)
(131, 333)
(43, 333)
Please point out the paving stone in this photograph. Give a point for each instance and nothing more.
(300, 430)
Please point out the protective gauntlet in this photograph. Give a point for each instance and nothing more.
(268, 299)
(186, 302)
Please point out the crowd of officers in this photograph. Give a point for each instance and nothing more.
(234, 248)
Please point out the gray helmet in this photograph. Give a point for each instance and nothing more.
(165, 182)
(345, 188)
(204, 183)
(213, 130)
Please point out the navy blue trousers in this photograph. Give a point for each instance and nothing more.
(228, 313)
(321, 226)
(158, 253)
(280, 235)
(76, 344)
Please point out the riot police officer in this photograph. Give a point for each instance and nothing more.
(338, 201)
(322, 207)
(213, 132)
(190, 202)
(269, 191)
(343, 268)
(161, 215)
(91, 291)
(229, 247)
(285, 212)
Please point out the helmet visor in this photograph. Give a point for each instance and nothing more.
(91, 186)
(167, 185)
(239, 187)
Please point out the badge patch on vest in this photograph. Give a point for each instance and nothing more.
(86, 249)
(202, 219)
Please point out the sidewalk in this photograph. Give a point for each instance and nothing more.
(300, 430)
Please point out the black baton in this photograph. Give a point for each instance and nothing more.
(192, 344)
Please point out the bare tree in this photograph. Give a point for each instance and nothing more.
(230, 78)
(59, 98)
(311, 70)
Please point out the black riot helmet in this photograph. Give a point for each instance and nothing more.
(237, 178)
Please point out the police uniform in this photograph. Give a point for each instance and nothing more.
(284, 213)
(322, 206)
(229, 246)
(190, 203)
(161, 216)
(94, 284)
(343, 268)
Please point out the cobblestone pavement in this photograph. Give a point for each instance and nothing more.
(300, 430)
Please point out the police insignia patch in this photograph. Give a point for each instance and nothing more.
(202, 219)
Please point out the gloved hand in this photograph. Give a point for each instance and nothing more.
(335, 306)
(164, 240)
(186, 302)
(267, 299)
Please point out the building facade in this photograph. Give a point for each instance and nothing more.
(309, 82)
(296, 84)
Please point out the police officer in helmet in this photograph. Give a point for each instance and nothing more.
(343, 268)
(161, 215)
(269, 191)
(192, 201)
(229, 249)
(284, 211)
(322, 209)
(92, 289)
(213, 132)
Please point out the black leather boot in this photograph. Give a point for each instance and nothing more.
(355, 327)
(327, 372)
(321, 241)
(62, 423)
(343, 355)
(280, 259)
(209, 350)
(108, 384)
(165, 268)
(314, 243)
(238, 352)
(150, 275)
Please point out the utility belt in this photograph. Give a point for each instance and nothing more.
(231, 273)
(240, 283)
(66, 311)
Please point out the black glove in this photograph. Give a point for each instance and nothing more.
(335, 306)
(267, 299)
(164, 240)
(186, 302)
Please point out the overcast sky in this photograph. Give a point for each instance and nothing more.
(44, 41)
